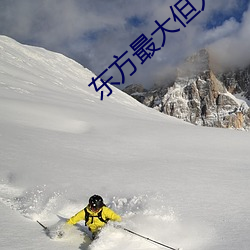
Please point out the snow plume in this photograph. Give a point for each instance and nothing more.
(34, 203)
(147, 215)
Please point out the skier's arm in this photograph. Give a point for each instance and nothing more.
(77, 217)
(110, 214)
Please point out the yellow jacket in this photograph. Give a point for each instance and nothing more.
(94, 223)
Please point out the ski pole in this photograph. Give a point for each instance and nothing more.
(45, 228)
(146, 238)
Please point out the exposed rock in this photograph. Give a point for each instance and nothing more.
(137, 91)
(237, 81)
(134, 88)
(198, 96)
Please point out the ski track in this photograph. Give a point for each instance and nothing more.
(144, 214)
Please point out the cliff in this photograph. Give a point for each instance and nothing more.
(202, 97)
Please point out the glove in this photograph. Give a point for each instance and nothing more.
(62, 229)
(118, 226)
(60, 234)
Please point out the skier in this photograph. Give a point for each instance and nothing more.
(95, 214)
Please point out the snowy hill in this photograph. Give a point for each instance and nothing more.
(176, 183)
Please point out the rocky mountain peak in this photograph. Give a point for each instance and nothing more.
(197, 64)
(200, 96)
(237, 81)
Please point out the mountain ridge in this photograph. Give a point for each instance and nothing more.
(202, 96)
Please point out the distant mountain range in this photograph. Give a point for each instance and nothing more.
(201, 94)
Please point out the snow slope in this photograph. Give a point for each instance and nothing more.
(179, 184)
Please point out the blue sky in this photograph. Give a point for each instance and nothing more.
(93, 31)
(219, 16)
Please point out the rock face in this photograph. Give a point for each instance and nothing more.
(201, 97)
(137, 91)
(237, 81)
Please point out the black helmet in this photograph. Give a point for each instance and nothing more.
(96, 202)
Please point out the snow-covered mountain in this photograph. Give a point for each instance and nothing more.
(182, 185)
(201, 96)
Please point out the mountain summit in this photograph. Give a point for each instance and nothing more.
(201, 96)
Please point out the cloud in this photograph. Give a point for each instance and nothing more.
(93, 31)
(233, 49)
(229, 27)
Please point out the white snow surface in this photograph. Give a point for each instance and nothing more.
(182, 185)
